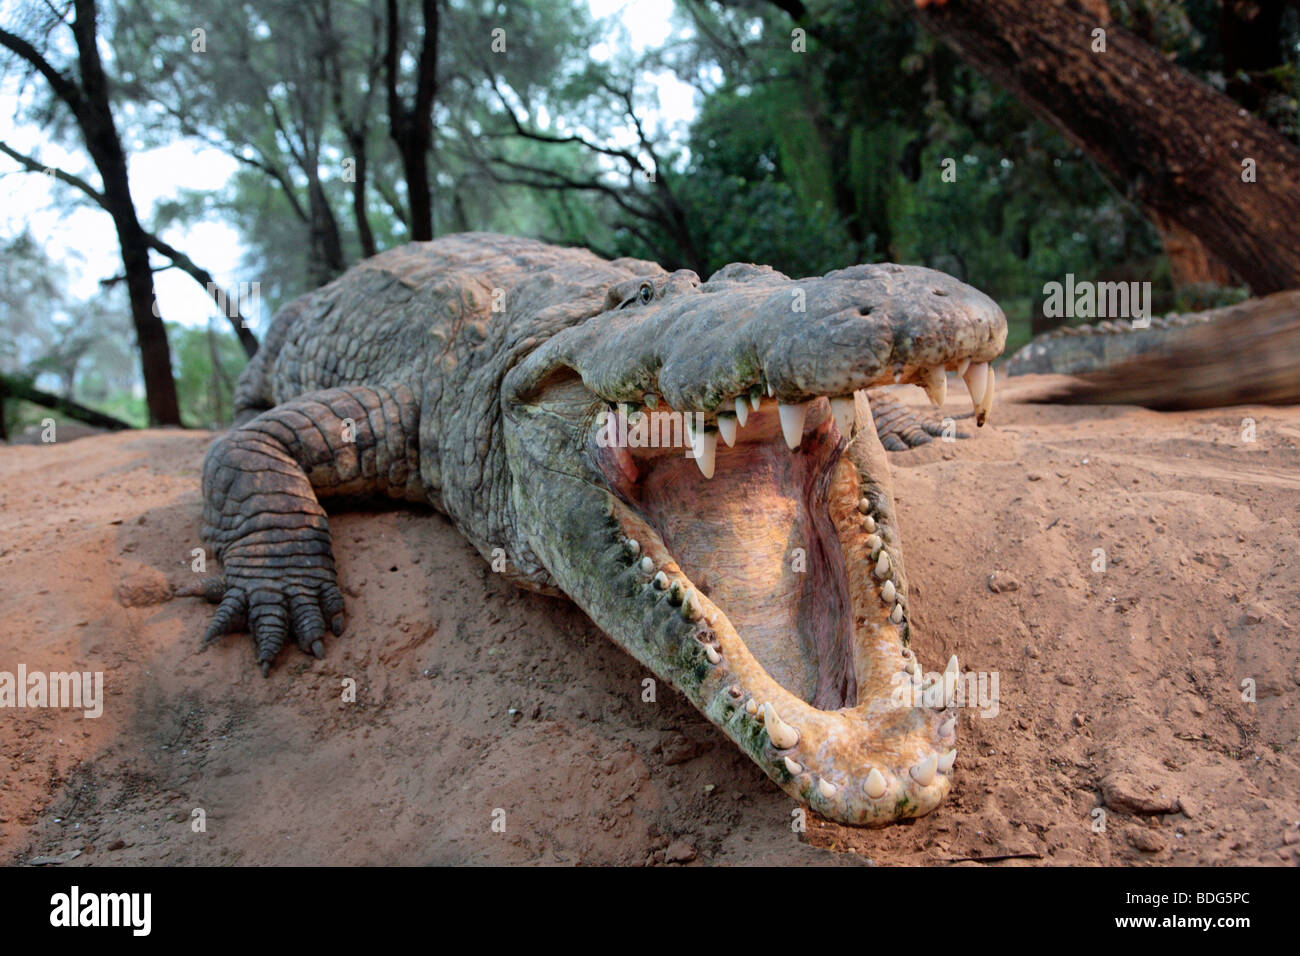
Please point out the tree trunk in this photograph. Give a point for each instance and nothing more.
(95, 118)
(327, 260)
(411, 128)
(359, 211)
(1190, 263)
(1178, 145)
(12, 387)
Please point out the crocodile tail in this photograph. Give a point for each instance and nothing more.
(1249, 355)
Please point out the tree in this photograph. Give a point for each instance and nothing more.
(227, 304)
(410, 122)
(88, 99)
(1183, 150)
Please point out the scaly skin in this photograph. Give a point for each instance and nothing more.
(473, 372)
(1237, 355)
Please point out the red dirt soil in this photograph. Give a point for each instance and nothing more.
(1122, 735)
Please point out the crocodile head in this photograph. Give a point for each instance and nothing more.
(697, 468)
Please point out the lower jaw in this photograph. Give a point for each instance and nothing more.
(869, 763)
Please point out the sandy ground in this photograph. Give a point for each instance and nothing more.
(1122, 735)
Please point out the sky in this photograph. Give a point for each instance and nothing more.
(82, 238)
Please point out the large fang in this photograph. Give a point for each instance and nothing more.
(842, 409)
(742, 410)
(782, 735)
(727, 428)
(977, 382)
(923, 773)
(986, 403)
(875, 785)
(935, 383)
(882, 566)
(706, 449)
(888, 592)
(946, 761)
(792, 418)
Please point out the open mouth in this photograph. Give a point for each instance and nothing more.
(777, 535)
(762, 573)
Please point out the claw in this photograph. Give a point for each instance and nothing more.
(266, 668)
(317, 649)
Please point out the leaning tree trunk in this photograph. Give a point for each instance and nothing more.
(1179, 145)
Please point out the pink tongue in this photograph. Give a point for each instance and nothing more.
(751, 541)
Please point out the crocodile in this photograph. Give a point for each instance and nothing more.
(693, 463)
(1241, 354)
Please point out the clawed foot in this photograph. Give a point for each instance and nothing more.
(901, 427)
(272, 588)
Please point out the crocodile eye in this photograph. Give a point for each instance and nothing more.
(645, 294)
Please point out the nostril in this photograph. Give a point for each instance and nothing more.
(865, 310)
(938, 292)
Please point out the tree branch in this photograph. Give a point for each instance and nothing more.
(178, 259)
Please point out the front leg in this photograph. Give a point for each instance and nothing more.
(262, 516)
(900, 427)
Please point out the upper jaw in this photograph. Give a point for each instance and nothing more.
(797, 339)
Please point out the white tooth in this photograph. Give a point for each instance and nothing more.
(977, 381)
(910, 667)
(756, 400)
(782, 735)
(742, 410)
(874, 544)
(869, 523)
(647, 565)
(923, 773)
(946, 761)
(962, 366)
(770, 390)
(792, 417)
(896, 615)
(727, 429)
(936, 385)
(882, 566)
(691, 606)
(948, 726)
(826, 787)
(875, 785)
(706, 449)
(986, 403)
(751, 707)
(951, 673)
(661, 581)
(864, 507)
(792, 766)
(711, 654)
(888, 592)
(842, 409)
(632, 546)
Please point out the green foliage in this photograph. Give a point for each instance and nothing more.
(815, 160)
(207, 364)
